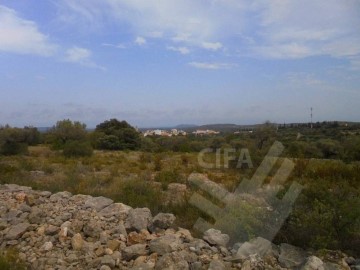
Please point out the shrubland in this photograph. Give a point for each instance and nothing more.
(137, 171)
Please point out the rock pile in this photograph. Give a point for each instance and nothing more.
(65, 231)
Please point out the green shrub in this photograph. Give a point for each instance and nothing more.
(157, 162)
(77, 149)
(138, 193)
(326, 215)
(116, 135)
(65, 131)
(167, 177)
(11, 148)
(9, 260)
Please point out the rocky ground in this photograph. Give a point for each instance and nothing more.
(65, 231)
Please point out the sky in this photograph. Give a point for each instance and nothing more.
(169, 62)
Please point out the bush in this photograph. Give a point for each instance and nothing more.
(14, 141)
(327, 212)
(77, 149)
(138, 193)
(65, 131)
(11, 148)
(9, 261)
(116, 135)
(167, 177)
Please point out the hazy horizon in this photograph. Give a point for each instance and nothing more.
(164, 63)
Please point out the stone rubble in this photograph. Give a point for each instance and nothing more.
(67, 232)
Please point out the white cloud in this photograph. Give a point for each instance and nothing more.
(182, 50)
(298, 29)
(140, 41)
(205, 65)
(78, 55)
(22, 36)
(81, 56)
(213, 46)
(192, 22)
(155, 34)
(181, 37)
(290, 50)
(118, 46)
(285, 29)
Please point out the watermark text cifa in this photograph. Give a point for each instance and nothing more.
(223, 156)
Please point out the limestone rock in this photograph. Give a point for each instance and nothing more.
(118, 210)
(138, 219)
(92, 229)
(17, 231)
(162, 221)
(62, 231)
(216, 265)
(165, 244)
(98, 203)
(290, 256)
(313, 263)
(215, 237)
(77, 242)
(171, 262)
(134, 251)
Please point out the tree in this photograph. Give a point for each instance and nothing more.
(31, 135)
(14, 141)
(115, 135)
(65, 131)
(264, 133)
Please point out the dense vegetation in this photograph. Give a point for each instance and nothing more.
(127, 168)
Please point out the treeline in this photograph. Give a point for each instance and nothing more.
(75, 140)
(331, 141)
(71, 137)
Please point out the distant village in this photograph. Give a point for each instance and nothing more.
(175, 132)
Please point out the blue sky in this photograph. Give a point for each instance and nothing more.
(167, 62)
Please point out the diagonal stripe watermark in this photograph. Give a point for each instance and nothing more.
(254, 208)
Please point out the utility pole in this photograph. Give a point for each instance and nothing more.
(311, 116)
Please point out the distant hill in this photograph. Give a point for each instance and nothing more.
(185, 126)
(221, 127)
(228, 128)
(43, 129)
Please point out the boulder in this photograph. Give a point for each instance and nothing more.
(134, 251)
(98, 203)
(259, 246)
(165, 244)
(16, 231)
(118, 210)
(60, 196)
(138, 219)
(172, 261)
(36, 216)
(215, 237)
(138, 238)
(313, 263)
(290, 256)
(162, 221)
